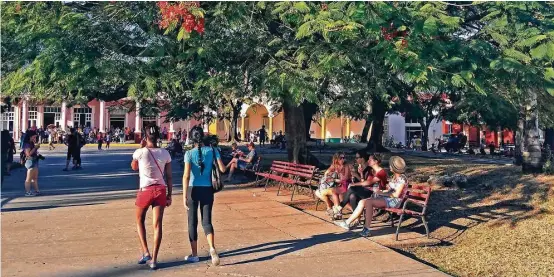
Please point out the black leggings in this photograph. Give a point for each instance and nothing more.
(203, 197)
(354, 195)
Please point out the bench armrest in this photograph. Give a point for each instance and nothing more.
(418, 203)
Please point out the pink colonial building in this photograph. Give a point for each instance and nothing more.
(96, 114)
(106, 115)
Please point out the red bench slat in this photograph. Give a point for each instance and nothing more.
(296, 174)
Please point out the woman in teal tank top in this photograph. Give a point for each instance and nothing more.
(198, 192)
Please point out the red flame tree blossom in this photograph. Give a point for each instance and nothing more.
(391, 33)
(185, 15)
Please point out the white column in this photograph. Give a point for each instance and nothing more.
(24, 116)
(138, 126)
(206, 123)
(64, 118)
(171, 130)
(71, 119)
(16, 123)
(101, 126)
(40, 116)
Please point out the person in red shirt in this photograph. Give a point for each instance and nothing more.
(375, 176)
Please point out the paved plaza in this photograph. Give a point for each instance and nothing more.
(84, 226)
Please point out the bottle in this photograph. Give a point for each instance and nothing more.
(375, 189)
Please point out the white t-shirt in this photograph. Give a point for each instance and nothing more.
(148, 170)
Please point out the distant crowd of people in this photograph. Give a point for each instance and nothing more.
(262, 137)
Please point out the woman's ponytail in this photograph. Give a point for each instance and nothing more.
(197, 137)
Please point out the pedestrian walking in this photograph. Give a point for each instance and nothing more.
(51, 140)
(154, 166)
(11, 152)
(263, 136)
(108, 140)
(100, 140)
(30, 152)
(198, 192)
(74, 143)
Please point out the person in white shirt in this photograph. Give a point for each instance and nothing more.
(154, 166)
(51, 139)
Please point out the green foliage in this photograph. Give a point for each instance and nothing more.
(349, 58)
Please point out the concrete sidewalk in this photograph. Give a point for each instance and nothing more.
(255, 236)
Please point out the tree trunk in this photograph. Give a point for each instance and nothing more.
(235, 113)
(233, 128)
(549, 138)
(365, 131)
(375, 143)
(532, 156)
(520, 131)
(309, 110)
(295, 130)
(425, 123)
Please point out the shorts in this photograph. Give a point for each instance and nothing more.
(154, 195)
(31, 163)
(243, 165)
(75, 154)
(393, 202)
(326, 192)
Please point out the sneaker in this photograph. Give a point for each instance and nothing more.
(153, 265)
(37, 193)
(365, 232)
(343, 225)
(337, 213)
(192, 259)
(330, 212)
(215, 257)
(144, 259)
(28, 194)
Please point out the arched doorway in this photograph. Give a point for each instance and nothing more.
(256, 117)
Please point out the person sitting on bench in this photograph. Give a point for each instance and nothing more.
(334, 183)
(235, 151)
(391, 198)
(243, 163)
(373, 175)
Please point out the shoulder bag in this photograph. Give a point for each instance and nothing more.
(217, 183)
(159, 168)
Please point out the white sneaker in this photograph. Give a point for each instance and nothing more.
(192, 259)
(215, 257)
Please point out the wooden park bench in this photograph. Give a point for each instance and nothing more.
(292, 174)
(418, 195)
(255, 168)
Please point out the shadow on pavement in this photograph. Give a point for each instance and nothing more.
(32, 208)
(287, 246)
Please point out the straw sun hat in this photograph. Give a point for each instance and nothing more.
(397, 164)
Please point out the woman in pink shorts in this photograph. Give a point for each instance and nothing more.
(334, 184)
(154, 166)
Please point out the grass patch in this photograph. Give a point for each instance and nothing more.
(499, 225)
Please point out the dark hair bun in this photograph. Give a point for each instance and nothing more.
(197, 135)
